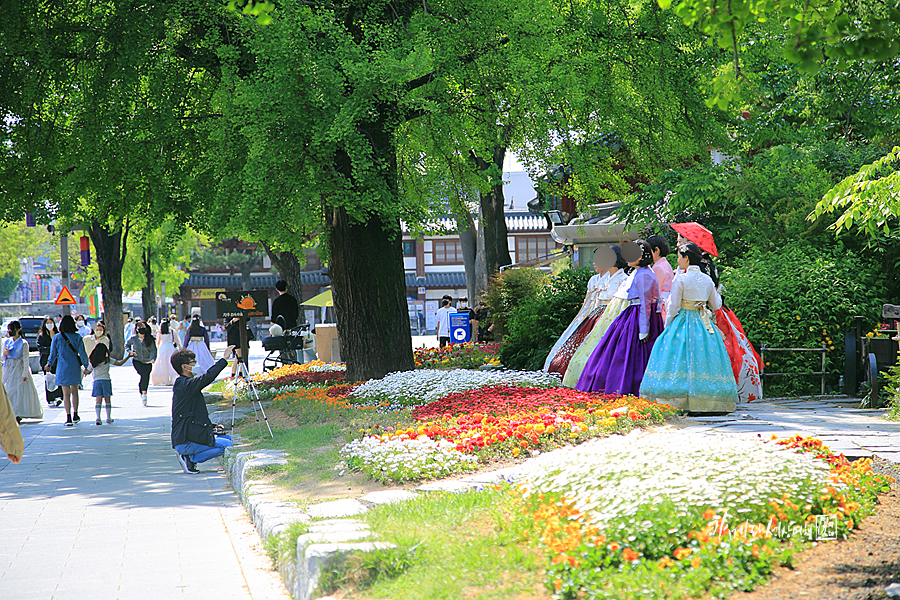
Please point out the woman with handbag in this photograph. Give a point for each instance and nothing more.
(67, 352)
(48, 330)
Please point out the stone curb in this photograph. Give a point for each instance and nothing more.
(334, 534)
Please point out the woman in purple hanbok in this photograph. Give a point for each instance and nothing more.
(617, 364)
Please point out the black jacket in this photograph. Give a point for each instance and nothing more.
(188, 403)
(285, 306)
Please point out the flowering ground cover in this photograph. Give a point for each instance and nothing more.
(406, 389)
(288, 378)
(494, 423)
(664, 516)
(469, 355)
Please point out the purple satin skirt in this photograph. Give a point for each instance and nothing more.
(618, 362)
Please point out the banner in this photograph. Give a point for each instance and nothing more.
(204, 294)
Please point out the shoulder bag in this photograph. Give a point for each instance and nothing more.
(77, 356)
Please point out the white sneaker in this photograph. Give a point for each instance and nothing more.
(144, 399)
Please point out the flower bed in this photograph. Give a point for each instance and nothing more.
(671, 515)
(469, 355)
(288, 378)
(403, 459)
(507, 430)
(413, 388)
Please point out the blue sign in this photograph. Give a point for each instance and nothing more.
(459, 328)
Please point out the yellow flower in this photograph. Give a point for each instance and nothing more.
(798, 317)
(870, 334)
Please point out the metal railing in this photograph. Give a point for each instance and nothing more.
(822, 373)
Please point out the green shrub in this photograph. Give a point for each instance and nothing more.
(537, 322)
(803, 298)
(506, 291)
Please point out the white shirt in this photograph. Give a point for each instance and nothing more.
(694, 286)
(613, 284)
(443, 318)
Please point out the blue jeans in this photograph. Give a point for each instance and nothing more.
(199, 453)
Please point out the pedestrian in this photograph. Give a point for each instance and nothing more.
(745, 362)
(659, 247)
(81, 327)
(196, 339)
(618, 301)
(67, 353)
(129, 328)
(10, 435)
(483, 316)
(99, 366)
(463, 307)
(617, 364)
(143, 347)
(689, 366)
(192, 431)
(98, 337)
(610, 267)
(45, 338)
(233, 338)
(154, 327)
(285, 309)
(443, 319)
(167, 344)
(17, 375)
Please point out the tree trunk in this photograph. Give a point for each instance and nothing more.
(369, 289)
(493, 216)
(289, 269)
(148, 291)
(468, 241)
(110, 247)
(246, 269)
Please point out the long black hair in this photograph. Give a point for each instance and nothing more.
(67, 325)
(196, 329)
(99, 355)
(709, 267)
(164, 327)
(148, 334)
(45, 331)
(692, 252)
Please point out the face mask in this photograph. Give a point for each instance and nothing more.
(196, 371)
(461, 305)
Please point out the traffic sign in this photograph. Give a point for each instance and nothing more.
(65, 297)
(459, 327)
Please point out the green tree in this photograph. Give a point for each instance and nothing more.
(98, 103)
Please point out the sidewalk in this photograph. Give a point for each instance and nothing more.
(103, 512)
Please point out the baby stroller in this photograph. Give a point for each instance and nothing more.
(284, 349)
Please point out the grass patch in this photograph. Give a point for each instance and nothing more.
(282, 548)
(448, 546)
(311, 434)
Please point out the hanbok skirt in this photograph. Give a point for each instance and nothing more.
(586, 348)
(561, 362)
(618, 363)
(20, 388)
(163, 373)
(689, 367)
(204, 358)
(564, 337)
(745, 362)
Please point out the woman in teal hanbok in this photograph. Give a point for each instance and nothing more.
(689, 367)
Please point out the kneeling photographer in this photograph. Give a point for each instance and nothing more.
(193, 434)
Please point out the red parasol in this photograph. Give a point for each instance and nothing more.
(700, 235)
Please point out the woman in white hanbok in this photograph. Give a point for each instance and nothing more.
(166, 344)
(196, 339)
(17, 375)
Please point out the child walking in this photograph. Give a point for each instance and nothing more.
(100, 361)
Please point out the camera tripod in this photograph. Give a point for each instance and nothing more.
(244, 373)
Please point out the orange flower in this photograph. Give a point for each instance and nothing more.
(557, 584)
(695, 562)
(665, 562)
(630, 555)
(614, 547)
(709, 514)
(754, 550)
(681, 553)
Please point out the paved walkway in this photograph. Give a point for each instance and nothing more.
(855, 432)
(104, 512)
